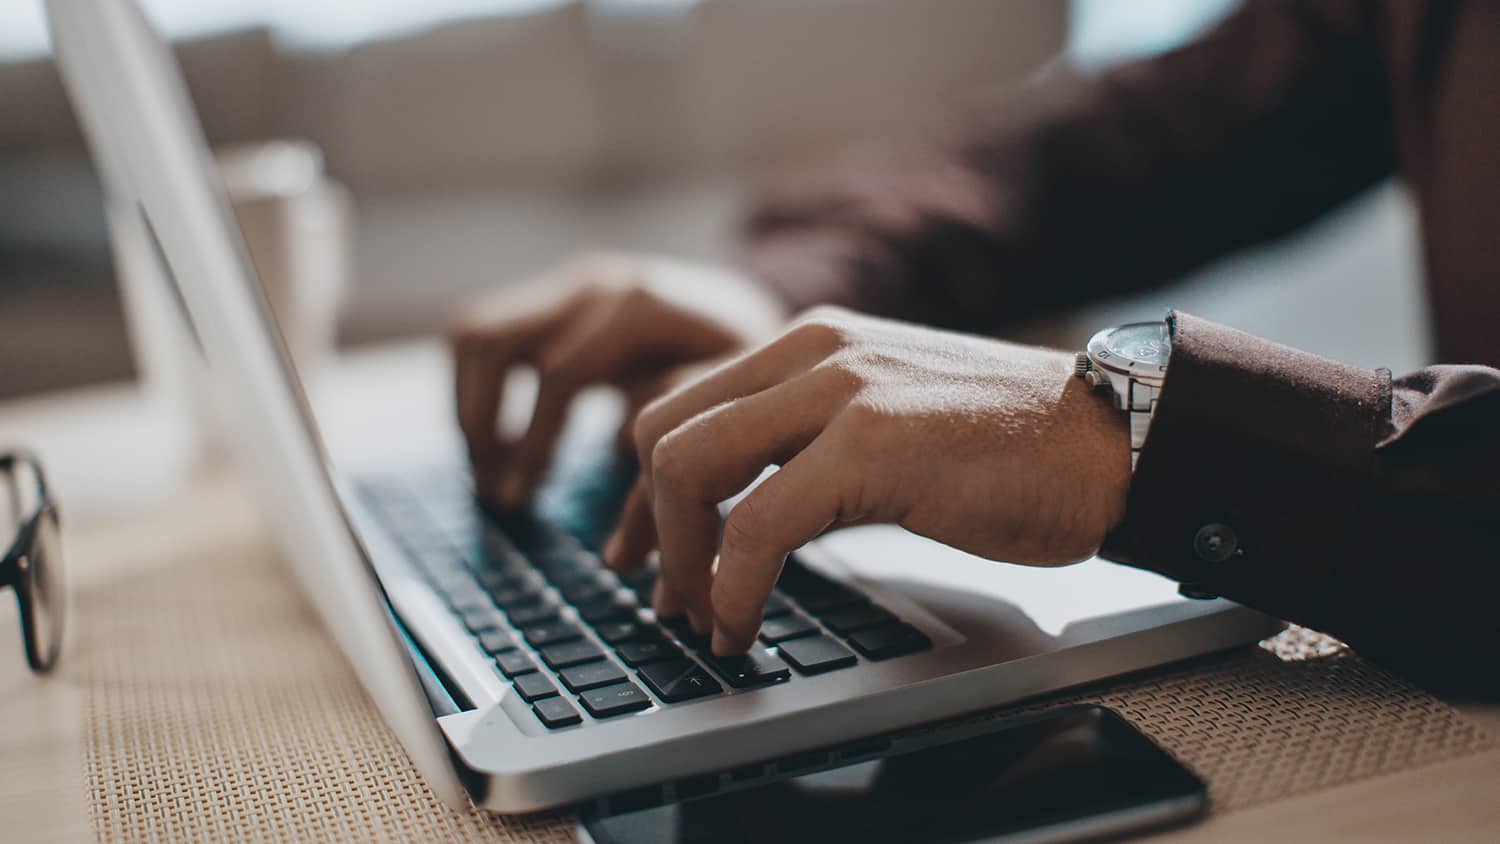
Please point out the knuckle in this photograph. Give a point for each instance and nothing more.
(646, 430)
(843, 372)
(823, 327)
(670, 464)
(741, 530)
(554, 372)
(830, 314)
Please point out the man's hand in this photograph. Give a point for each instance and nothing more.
(986, 446)
(630, 321)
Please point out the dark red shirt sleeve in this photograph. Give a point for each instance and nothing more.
(1328, 495)
(1082, 186)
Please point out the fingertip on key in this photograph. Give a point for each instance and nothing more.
(722, 645)
(613, 548)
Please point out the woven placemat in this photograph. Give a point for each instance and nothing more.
(216, 708)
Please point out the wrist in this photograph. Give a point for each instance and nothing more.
(1103, 456)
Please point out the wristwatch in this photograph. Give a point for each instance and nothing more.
(1129, 361)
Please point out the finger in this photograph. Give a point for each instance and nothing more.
(635, 532)
(580, 354)
(794, 352)
(483, 357)
(786, 511)
(478, 380)
(715, 455)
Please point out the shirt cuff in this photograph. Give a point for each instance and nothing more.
(1250, 482)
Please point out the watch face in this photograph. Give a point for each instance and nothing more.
(1142, 342)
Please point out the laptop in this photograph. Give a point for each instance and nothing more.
(516, 670)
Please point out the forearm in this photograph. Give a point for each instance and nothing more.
(1355, 505)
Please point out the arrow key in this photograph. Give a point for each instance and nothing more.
(679, 680)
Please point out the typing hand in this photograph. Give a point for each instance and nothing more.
(986, 446)
(630, 321)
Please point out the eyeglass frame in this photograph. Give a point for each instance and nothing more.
(17, 566)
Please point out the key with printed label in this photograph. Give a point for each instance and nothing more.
(614, 700)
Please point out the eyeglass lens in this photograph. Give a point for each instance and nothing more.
(45, 615)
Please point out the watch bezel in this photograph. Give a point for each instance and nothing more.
(1103, 358)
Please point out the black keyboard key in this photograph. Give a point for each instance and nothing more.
(608, 609)
(584, 592)
(495, 580)
(614, 700)
(623, 630)
(847, 621)
(758, 667)
(891, 640)
(556, 550)
(514, 598)
(469, 600)
(564, 654)
(496, 641)
(522, 528)
(442, 563)
(486, 618)
(556, 712)
(797, 579)
(498, 547)
(640, 580)
(551, 632)
(679, 680)
(591, 675)
(514, 663)
(816, 654)
(533, 615)
(836, 597)
(782, 628)
(777, 606)
(514, 572)
(534, 686)
(642, 651)
(454, 584)
(563, 560)
(569, 576)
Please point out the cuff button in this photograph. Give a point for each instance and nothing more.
(1215, 543)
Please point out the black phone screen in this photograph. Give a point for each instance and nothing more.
(1081, 769)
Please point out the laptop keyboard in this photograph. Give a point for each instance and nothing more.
(579, 643)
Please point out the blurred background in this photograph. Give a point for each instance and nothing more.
(479, 140)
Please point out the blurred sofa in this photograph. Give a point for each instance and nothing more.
(482, 149)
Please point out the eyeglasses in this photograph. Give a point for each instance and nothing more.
(33, 561)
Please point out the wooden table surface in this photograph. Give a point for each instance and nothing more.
(42, 796)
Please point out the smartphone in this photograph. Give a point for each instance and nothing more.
(1069, 773)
